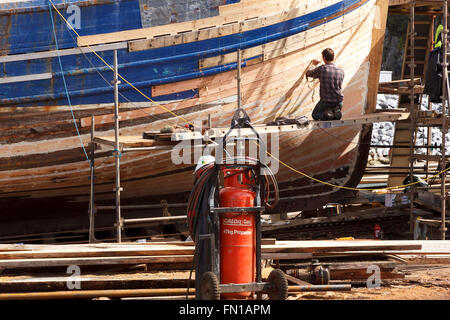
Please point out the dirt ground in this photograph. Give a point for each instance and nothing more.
(421, 282)
(432, 283)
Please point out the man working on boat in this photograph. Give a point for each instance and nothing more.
(331, 78)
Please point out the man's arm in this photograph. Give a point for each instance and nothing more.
(314, 73)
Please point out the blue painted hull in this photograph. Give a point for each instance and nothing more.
(31, 30)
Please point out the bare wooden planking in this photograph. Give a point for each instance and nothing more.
(376, 54)
(296, 9)
(227, 14)
(269, 51)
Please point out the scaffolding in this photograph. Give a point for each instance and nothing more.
(417, 121)
(420, 118)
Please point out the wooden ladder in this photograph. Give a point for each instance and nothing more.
(400, 155)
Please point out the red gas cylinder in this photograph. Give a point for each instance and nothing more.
(377, 232)
(237, 232)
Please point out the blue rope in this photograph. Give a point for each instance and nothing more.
(64, 81)
(118, 153)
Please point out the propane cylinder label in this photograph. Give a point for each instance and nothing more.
(237, 232)
(237, 222)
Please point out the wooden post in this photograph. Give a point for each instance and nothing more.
(444, 115)
(91, 198)
(412, 115)
(117, 149)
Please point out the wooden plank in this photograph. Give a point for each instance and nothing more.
(362, 275)
(287, 246)
(361, 265)
(368, 118)
(61, 53)
(30, 77)
(287, 256)
(418, 89)
(230, 57)
(400, 81)
(98, 282)
(125, 141)
(90, 261)
(376, 53)
(85, 253)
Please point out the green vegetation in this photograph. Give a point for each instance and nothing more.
(397, 27)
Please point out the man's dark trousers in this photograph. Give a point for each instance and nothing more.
(321, 107)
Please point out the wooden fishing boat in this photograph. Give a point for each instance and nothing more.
(180, 55)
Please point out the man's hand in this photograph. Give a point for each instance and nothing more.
(315, 62)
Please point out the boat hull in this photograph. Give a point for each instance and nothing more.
(190, 74)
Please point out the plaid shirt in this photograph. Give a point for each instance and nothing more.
(331, 78)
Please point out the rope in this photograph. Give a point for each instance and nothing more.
(268, 153)
(313, 82)
(65, 84)
(350, 188)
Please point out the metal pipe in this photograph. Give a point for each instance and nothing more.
(396, 172)
(258, 250)
(90, 294)
(404, 147)
(117, 149)
(156, 219)
(239, 62)
(91, 198)
(395, 167)
(168, 147)
(444, 113)
(336, 287)
(143, 206)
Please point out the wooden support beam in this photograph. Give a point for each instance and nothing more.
(125, 141)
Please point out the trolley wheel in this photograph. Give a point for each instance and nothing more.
(279, 283)
(209, 287)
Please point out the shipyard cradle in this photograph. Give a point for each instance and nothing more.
(181, 57)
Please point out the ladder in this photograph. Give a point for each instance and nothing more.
(418, 41)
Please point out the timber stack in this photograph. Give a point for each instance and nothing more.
(161, 269)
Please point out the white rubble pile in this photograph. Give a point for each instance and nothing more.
(383, 132)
